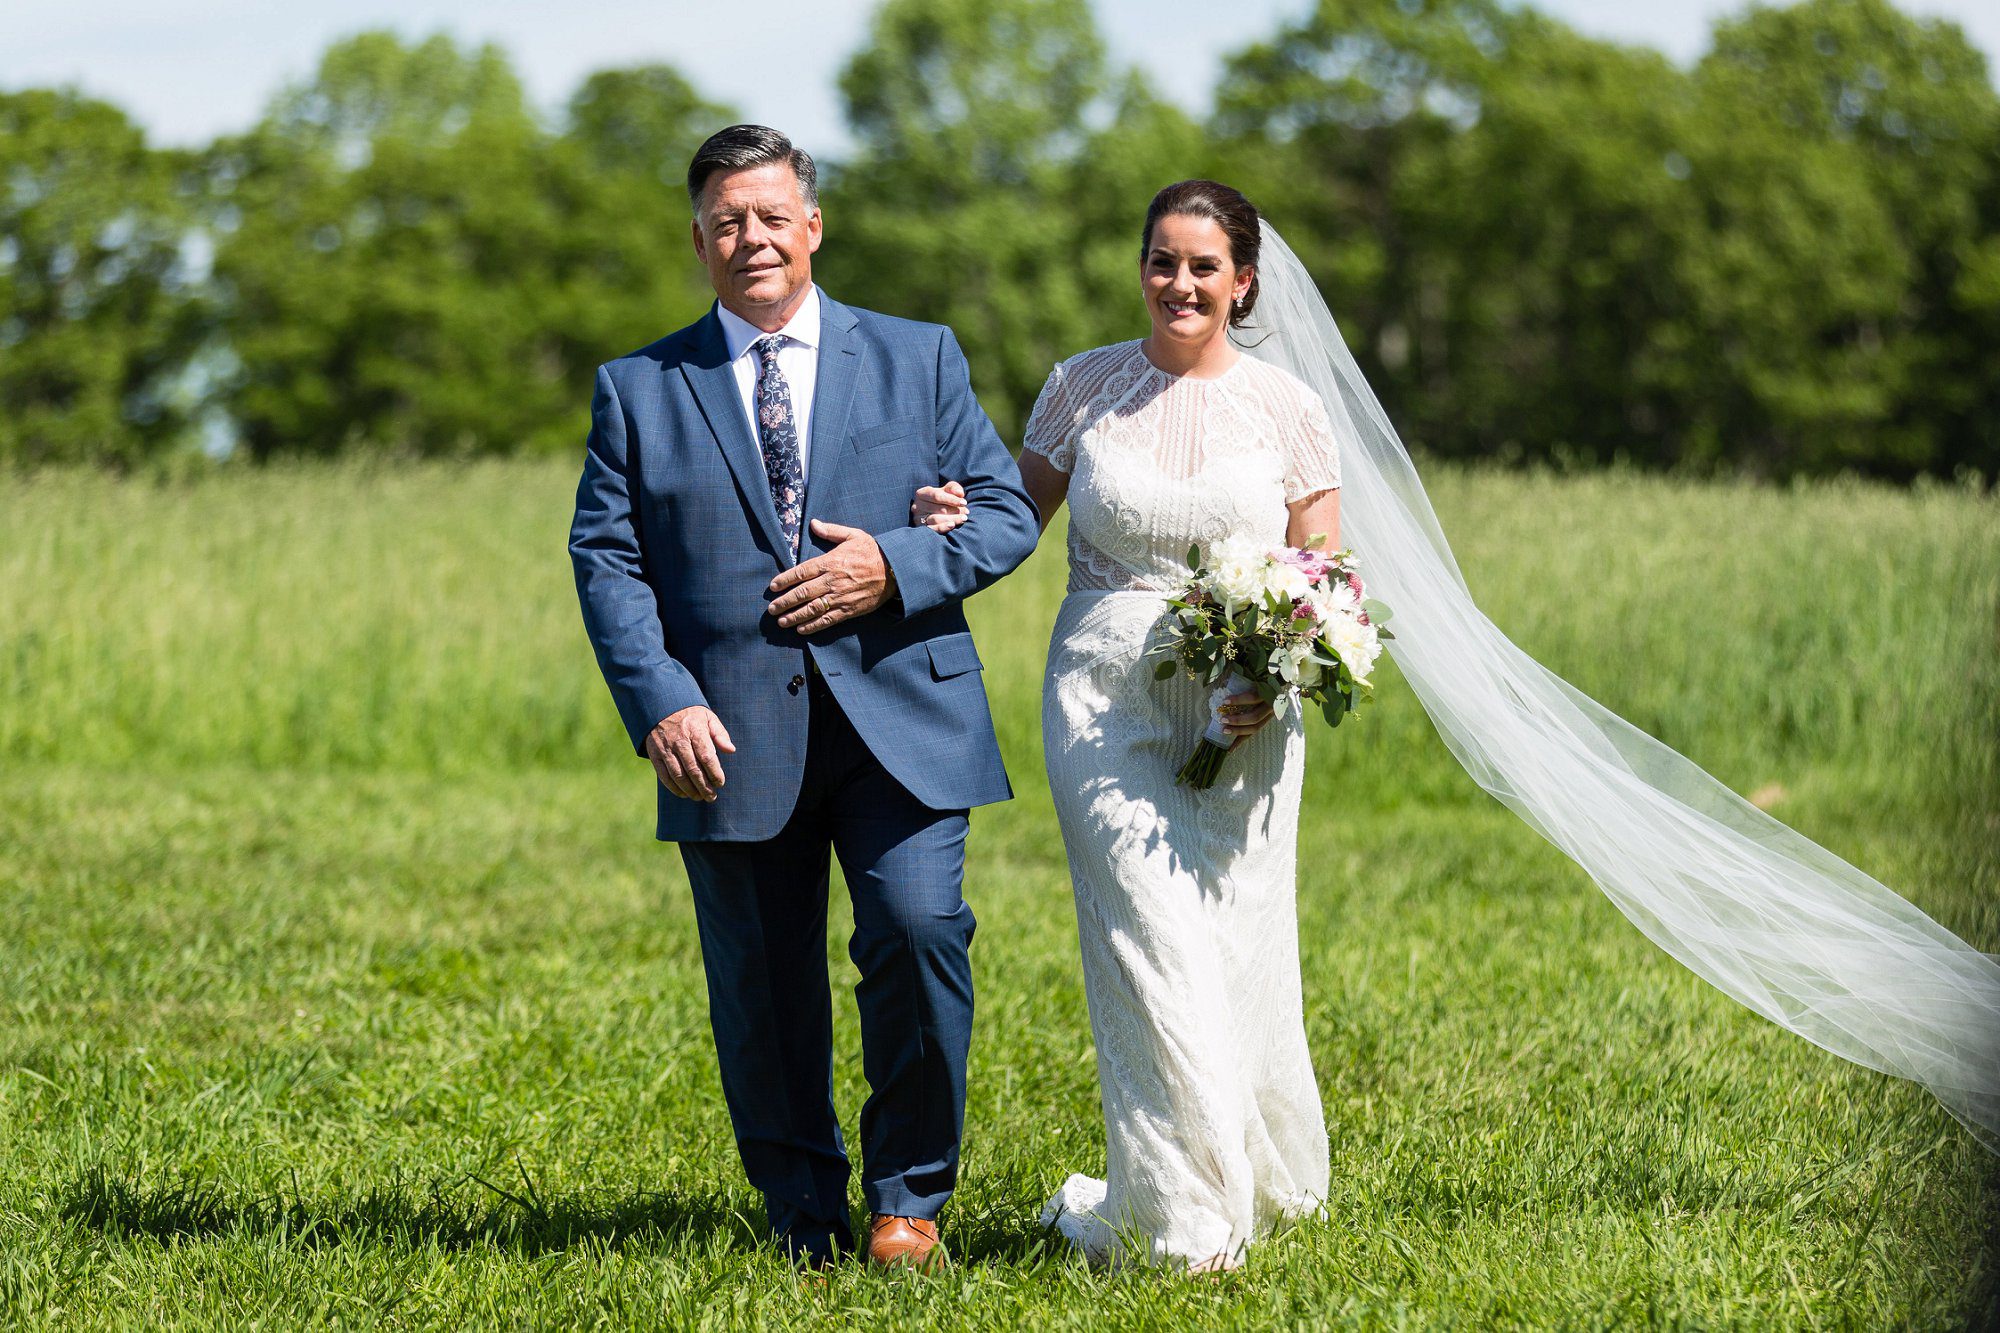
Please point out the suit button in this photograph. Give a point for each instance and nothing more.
(795, 684)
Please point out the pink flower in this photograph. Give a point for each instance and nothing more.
(1310, 563)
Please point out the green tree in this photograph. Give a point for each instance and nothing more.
(1547, 246)
(1911, 104)
(1788, 272)
(1337, 127)
(1540, 245)
(413, 263)
(1002, 174)
(623, 170)
(1976, 295)
(646, 119)
(1539, 317)
(98, 316)
(1480, 193)
(380, 257)
(1634, 269)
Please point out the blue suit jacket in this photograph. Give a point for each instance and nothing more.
(676, 540)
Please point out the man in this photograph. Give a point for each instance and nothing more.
(788, 649)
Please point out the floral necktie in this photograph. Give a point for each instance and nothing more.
(779, 435)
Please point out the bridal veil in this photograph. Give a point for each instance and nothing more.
(1759, 911)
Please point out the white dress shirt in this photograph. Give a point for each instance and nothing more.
(798, 359)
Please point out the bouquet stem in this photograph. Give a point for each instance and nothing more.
(1204, 766)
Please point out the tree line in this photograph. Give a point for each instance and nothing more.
(1542, 247)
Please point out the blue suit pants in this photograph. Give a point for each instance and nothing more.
(761, 911)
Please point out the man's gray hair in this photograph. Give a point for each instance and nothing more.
(743, 146)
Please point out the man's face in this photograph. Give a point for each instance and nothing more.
(757, 237)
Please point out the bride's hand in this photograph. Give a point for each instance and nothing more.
(1244, 715)
(940, 508)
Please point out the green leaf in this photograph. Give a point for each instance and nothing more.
(1377, 612)
(1334, 708)
(1165, 670)
(1194, 558)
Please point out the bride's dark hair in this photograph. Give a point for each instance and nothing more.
(1227, 209)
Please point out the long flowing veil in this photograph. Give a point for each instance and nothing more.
(1764, 914)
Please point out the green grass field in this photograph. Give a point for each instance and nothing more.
(343, 980)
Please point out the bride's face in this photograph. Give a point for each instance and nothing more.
(1189, 279)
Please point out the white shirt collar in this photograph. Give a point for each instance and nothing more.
(738, 333)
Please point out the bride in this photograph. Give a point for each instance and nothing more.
(1185, 899)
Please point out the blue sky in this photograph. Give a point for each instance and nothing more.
(190, 69)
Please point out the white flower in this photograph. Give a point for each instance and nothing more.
(1237, 573)
(1287, 580)
(1356, 645)
(1295, 664)
(1237, 548)
(1336, 602)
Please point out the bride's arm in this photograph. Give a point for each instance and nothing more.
(1315, 515)
(942, 508)
(1044, 485)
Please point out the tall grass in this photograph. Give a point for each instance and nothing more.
(343, 982)
(420, 617)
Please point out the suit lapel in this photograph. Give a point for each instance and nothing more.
(713, 381)
(840, 357)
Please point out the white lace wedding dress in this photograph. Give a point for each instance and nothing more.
(1185, 901)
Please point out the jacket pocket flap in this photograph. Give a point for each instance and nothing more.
(953, 655)
(885, 432)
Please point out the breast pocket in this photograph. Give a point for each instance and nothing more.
(902, 430)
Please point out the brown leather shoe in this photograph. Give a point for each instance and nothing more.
(903, 1242)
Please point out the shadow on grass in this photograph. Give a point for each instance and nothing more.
(464, 1213)
(1985, 1301)
(1014, 1241)
(471, 1212)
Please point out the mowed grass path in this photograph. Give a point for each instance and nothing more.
(341, 979)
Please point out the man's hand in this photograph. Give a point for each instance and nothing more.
(850, 580)
(683, 750)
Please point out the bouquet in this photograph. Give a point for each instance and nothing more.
(1289, 623)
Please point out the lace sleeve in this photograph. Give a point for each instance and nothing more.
(1312, 463)
(1052, 425)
